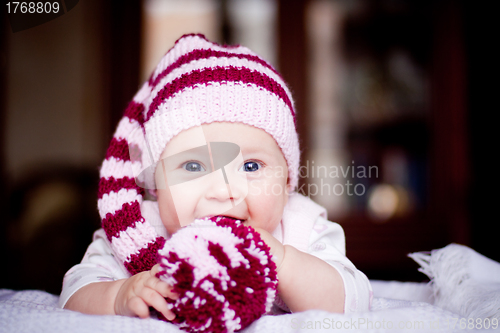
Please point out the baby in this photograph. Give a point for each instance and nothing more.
(211, 133)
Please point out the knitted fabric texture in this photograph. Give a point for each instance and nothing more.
(223, 274)
(197, 82)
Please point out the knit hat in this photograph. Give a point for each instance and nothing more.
(196, 82)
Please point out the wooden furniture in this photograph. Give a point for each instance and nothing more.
(433, 137)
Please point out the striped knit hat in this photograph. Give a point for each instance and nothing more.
(197, 82)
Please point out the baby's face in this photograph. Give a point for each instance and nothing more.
(241, 173)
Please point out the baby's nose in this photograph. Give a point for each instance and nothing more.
(227, 185)
(236, 182)
(226, 158)
(219, 188)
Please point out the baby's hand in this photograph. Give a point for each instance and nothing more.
(142, 291)
(277, 249)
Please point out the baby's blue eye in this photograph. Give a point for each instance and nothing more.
(251, 166)
(194, 167)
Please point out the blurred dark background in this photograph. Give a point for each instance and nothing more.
(408, 87)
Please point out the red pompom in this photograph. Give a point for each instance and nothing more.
(222, 271)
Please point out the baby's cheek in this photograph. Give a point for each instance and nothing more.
(267, 188)
(255, 188)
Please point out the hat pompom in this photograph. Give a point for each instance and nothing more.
(223, 273)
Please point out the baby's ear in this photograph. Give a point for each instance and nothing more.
(289, 187)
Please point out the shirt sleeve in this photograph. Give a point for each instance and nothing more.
(327, 242)
(98, 264)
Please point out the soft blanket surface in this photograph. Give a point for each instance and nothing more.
(36, 311)
(464, 288)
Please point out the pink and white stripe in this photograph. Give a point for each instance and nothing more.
(131, 240)
(188, 43)
(113, 201)
(113, 167)
(226, 61)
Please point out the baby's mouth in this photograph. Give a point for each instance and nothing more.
(217, 217)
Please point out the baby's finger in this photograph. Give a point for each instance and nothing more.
(161, 287)
(155, 269)
(137, 307)
(154, 299)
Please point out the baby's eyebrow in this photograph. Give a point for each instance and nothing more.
(198, 153)
(257, 151)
